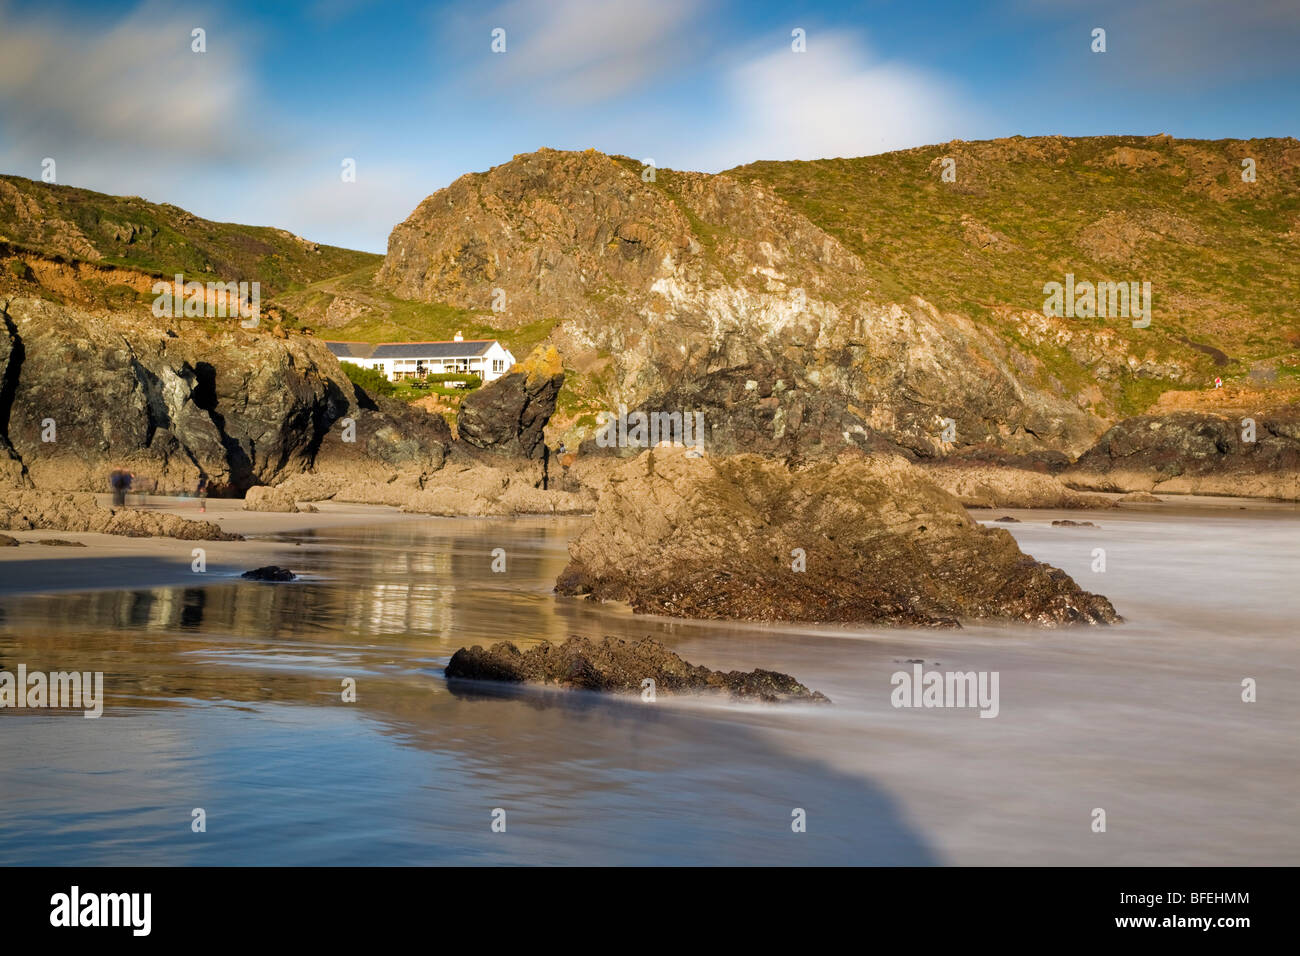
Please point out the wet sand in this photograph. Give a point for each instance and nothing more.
(115, 561)
(226, 695)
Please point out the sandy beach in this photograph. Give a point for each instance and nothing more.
(108, 561)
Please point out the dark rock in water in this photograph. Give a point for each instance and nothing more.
(617, 665)
(509, 415)
(270, 573)
(8, 542)
(1067, 523)
(61, 543)
(866, 538)
(1007, 519)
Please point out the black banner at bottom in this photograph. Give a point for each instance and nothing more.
(337, 905)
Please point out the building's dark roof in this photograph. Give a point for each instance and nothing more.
(411, 350)
(350, 349)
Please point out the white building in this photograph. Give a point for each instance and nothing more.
(486, 358)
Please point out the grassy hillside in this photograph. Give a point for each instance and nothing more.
(1222, 255)
(351, 307)
(79, 224)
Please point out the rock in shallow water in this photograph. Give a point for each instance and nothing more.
(270, 573)
(617, 665)
(868, 538)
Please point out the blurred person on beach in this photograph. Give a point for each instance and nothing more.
(120, 482)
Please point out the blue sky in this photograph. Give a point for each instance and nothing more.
(256, 128)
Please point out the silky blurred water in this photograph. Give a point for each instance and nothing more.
(226, 696)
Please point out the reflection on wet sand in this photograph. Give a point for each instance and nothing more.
(227, 695)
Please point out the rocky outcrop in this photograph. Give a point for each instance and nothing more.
(473, 486)
(863, 538)
(992, 486)
(766, 409)
(508, 416)
(79, 511)
(477, 488)
(262, 498)
(172, 400)
(620, 666)
(1197, 453)
(673, 279)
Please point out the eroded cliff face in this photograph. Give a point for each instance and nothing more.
(690, 275)
(82, 393)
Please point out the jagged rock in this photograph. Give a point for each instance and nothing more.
(270, 572)
(509, 415)
(7, 542)
(389, 435)
(764, 409)
(61, 543)
(78, 511)
(1067, 523)
(876, 541)
(262, 498)
(242, 407)
(1196, 453)
(1007, 519)
(617, 665)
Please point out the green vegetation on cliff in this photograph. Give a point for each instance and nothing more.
(80, 224)
(1222, 254)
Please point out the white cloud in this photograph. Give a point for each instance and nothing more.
(586, 51)
(833, 100)
(132, 86)
(125, 107)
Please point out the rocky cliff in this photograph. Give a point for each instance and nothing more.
(82, 393)
(809, 306)
(692, 275)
